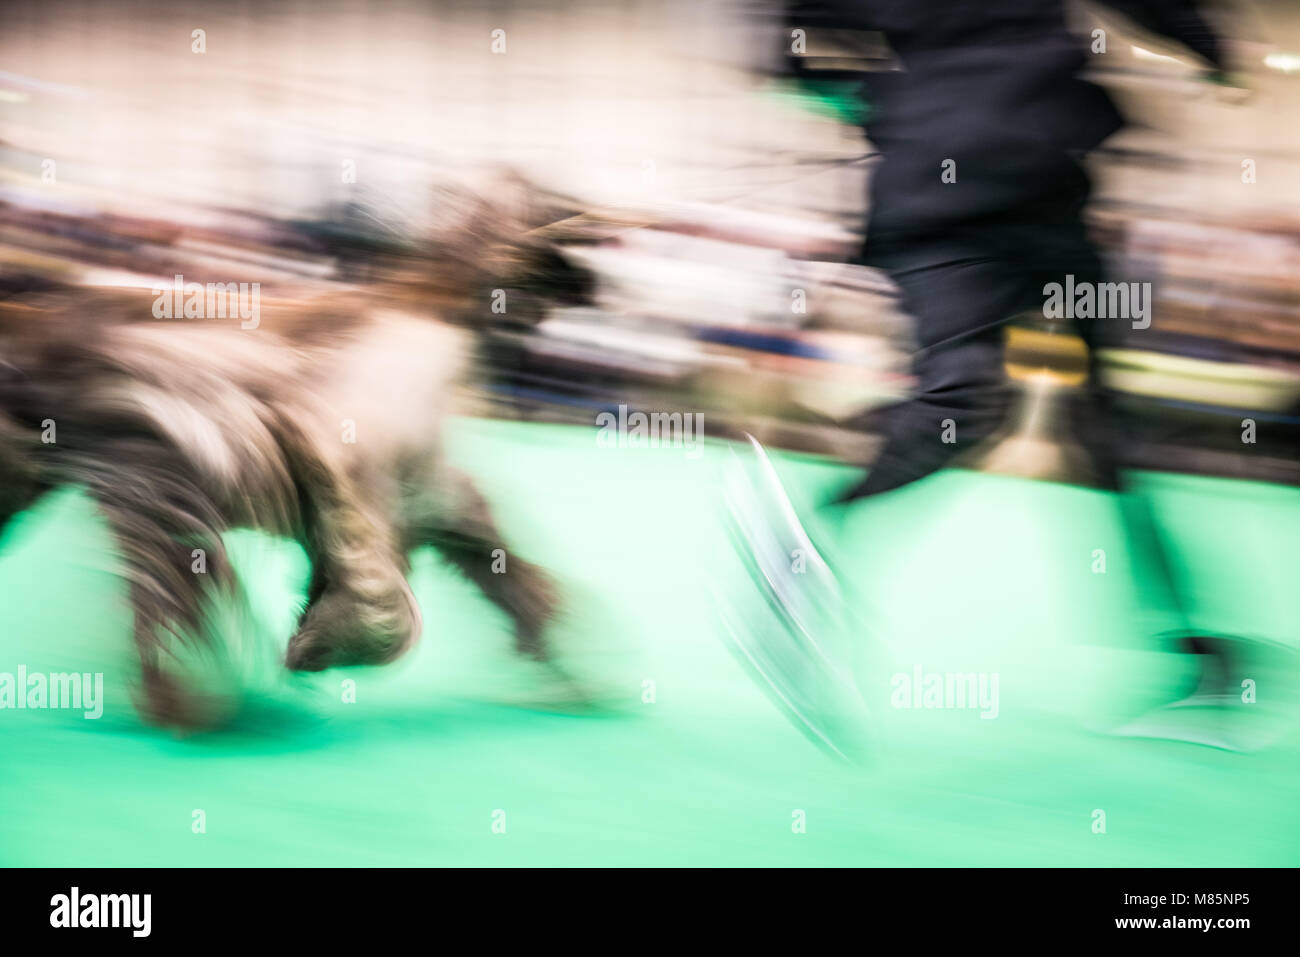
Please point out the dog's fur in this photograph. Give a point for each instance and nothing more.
(183, 430)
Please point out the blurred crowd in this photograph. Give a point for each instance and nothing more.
(701, 172)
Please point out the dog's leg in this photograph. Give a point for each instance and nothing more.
(19, 485)
(360, 609)
(168, 587)
(460, 526)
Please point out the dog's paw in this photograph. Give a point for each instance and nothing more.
(168, 702)
(339, 630)
(309, 652)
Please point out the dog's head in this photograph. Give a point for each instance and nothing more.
(488, 256)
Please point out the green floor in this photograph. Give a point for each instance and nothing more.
(963, 573)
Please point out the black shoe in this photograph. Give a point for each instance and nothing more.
(1242, 700)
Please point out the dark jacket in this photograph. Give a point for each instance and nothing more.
(993, 85)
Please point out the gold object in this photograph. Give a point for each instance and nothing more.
(1048, 368)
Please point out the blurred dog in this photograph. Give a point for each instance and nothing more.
(323, 424)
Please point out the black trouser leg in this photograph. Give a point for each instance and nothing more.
(1059, 249)
(961, 294)
(960, 303)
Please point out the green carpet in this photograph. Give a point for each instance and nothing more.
(693, 765)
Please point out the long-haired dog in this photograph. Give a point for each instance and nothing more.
(322, 425)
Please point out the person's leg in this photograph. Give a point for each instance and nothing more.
(1060, 248)
(960, 300)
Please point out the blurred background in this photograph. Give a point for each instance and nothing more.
(723, 187)
(713, 189)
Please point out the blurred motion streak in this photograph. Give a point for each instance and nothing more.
(502, 226)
